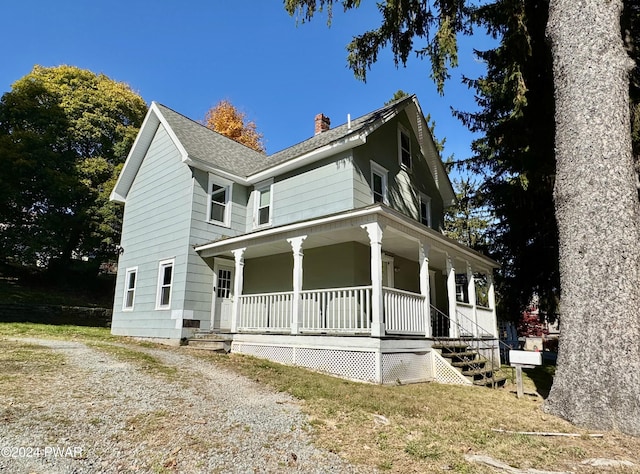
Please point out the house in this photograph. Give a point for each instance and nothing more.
(328, 254)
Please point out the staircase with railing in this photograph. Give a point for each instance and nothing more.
(469, 348)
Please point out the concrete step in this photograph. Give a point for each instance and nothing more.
(451, 346)
(208, 334)
(211, 343)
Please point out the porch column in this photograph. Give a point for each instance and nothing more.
(377, 303)
(296, 304)
(423, 259)
(238, 282)
(471, 291)
(491, 296)
(451, 294)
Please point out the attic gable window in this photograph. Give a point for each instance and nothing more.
(404, 147)
(219, 208)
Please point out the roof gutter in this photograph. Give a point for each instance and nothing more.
(290, 165)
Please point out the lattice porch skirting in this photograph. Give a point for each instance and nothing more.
(365, 364)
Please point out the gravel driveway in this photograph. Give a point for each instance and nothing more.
(99, 414)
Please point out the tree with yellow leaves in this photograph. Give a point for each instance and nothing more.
(227, 120)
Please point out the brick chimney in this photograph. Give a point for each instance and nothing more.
(322, 123)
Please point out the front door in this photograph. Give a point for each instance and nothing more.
(222, 296)
(387, 271)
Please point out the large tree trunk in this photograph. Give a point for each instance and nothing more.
(597, 382)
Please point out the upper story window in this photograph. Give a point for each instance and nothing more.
(404, 147)
(165, 282)
(129, 288)
(219, 200)
(379, 183)
(263, 204)
(425, 210)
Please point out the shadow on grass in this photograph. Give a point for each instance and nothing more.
(542, 377)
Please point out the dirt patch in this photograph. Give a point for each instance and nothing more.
(66, 407)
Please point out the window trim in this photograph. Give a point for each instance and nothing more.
(381, 171)
(257, 193)
(129, 271)
(403, 131)
(161, 265)
(228, 189)
(424, 199)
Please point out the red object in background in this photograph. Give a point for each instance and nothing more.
(530, 324)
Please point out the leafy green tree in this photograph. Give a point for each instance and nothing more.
(595, 194)
(64, 132)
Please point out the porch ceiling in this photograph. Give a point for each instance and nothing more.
(393, 243)
(263, 249)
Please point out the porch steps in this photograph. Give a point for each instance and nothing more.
(467, 361)
(210, 341)
(461, 355)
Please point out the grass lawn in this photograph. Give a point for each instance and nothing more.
(419, 428)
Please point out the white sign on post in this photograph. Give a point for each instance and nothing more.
(520, 359)
(525, 358)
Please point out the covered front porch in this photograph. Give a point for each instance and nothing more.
(412, 280)
(370, 278)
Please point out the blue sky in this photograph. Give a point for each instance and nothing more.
(189, 55)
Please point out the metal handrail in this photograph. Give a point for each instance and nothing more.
(480, 328)
(475, 341)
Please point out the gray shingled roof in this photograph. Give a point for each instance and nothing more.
(338, 133)
(223, 153)
(211, 147)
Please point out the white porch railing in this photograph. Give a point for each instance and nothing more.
(349, 310)
(266, 312)
(336, 310)
(404, 312)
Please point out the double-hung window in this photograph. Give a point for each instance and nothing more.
(165, 282)
(425, 210)
(219, 207)
(263, 204)
(462, 288)
(379, 183)
(130, 279)
(404, 147)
